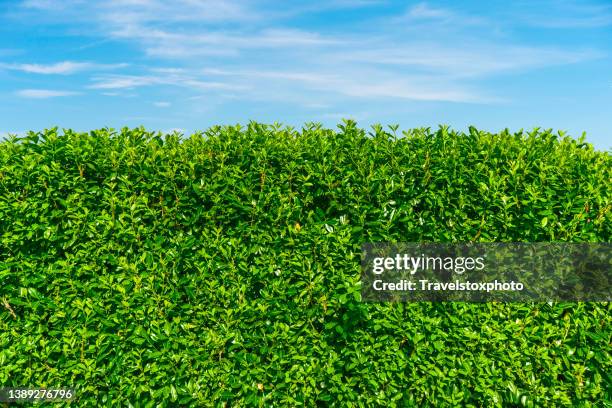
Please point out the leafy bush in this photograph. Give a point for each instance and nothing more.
(223, 268)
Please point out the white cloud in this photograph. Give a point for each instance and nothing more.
(436, 19)
(339, 116)
(60, 68)
(574, 22)
(569, 15)
(352, 3)
(423, 10)
(43, 93)
(174, 130)
(121, 12)
(123, 81)
(112, 82)
(189, 44)
(358, 83)
(311, 105)
(408, 90)
(44, 4)
(120, 94)
(273, 74)
(183, 28)
(162, 104)
(474, 59)
(66, 67)
(254, 47)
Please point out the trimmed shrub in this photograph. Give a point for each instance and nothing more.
(223, 268)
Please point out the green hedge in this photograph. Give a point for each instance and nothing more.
(223, 268)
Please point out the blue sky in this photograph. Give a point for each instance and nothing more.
(190, 64)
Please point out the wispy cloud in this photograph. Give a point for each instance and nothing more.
(162, 104)
(123, 81)
(179, 11)
(361, 84)
(314, 7)
(123, 11)
(566, 14)
(424, 10)
(339, 116)
(278, 59)
(411, 91)
(43, 93)
(299, 76)
(477, 58)
(43, 4)
(174, 130)
(574, 22)
(440, 16)
(180, 44)
(352, 3)
(60, 68)
(110, 82)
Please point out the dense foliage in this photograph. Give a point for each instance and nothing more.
(224, 268)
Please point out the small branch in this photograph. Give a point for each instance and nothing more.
(9, 308)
